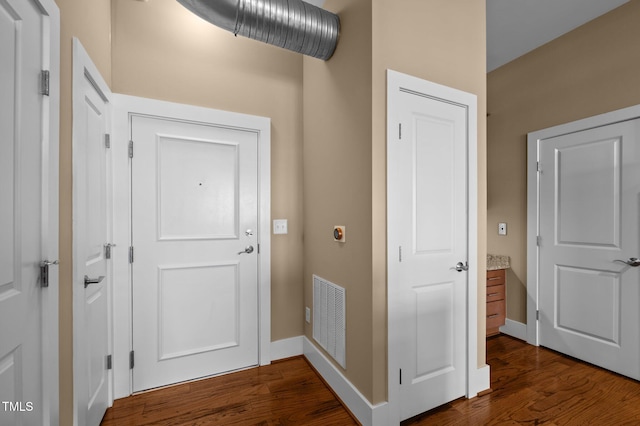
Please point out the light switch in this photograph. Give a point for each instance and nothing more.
(280, 226)
(502, 228)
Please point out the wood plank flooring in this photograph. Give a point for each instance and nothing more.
(287, 392)
(530, 386)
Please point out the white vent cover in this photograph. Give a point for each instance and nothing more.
(329, 318)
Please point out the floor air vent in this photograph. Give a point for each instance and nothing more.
(329, 318)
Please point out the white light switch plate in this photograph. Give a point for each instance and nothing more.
(280, 226)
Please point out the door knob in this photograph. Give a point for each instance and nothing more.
(633, 261)
(44, 271)
(248, 249)
(88, 280)
(462, 266)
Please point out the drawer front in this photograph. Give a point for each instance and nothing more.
(495, 277)
(495, 314)
(495, 292)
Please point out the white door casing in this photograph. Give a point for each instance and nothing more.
(29, 121)
(92, 232)
(588, 184)
(431, 226)
(194, 235)
(128, 110)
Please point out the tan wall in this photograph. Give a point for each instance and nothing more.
(443, 42)
(345, 162)
(162, 51)
(337, 180)
(91, 23)
(589, 71)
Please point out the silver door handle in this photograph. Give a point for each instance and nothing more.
(633, 261)
(248, 249)
(44, 271)
(88, 280)
(462, 266)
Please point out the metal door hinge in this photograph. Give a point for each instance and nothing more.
(130, 149)
(131, 254)
(401, 376)
(400, 254)
(109, 362)
(538, 240)
(537, 315)
(258, 248)
(131, 360)
(107, 140)
(538, 168)
(44, 82)
(400, 131)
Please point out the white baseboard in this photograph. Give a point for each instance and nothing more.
(286, 348)
(366, 413)
(480, 381)
(515, 329)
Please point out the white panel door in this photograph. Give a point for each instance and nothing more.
(427, 220)
(589, 213)
(195, 217)
(27, 223)
(91, 161)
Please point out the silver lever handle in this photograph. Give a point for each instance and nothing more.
(462, 266)
(248, 249)
(44, 271)
(88, 280)
(633, 261)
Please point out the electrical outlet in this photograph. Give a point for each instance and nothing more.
(307, 315)
(502, 228)
(280, 226)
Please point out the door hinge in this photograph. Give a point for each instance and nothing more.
(130, 149)
(131, 254)
(44, 82)
(109, 363)
(401, 376)
(400, 254)
(538, 315)
(400, 131)
(131, 360)
(107, 140)
(538, 240)
(538, 168)
(258, 248)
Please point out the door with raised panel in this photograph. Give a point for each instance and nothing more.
(589, 298)
(194, 238)
(428, 249)
(28, 216)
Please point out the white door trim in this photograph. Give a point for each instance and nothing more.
(124, 107)
(50, 182)
(534, 140)
(477, 377)
(84, 70)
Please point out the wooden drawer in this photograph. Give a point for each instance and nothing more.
(495, 277)
(495, 292)
(495, 317)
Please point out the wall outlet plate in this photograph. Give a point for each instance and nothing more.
(307, 315)
(280, 226)
(502, 228)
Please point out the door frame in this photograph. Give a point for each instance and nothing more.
(124, 107)
(50, 211)
(534, 141)
(84, 70)
(477, 378)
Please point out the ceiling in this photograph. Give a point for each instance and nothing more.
(515, 27)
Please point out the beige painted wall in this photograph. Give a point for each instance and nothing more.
(589, 71)
(345, 154)
(443, 42)
(91, 23)
(163, 51)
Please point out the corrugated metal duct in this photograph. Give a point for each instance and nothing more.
(291, 24)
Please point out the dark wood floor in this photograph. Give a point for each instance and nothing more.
(530, 386)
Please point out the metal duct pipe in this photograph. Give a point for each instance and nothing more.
(291, 24)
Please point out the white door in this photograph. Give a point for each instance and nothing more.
(427, 239)
(28, 226)
(195, 250)
(589, 302)
(91, 160)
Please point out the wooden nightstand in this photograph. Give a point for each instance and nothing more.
(496, 309)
